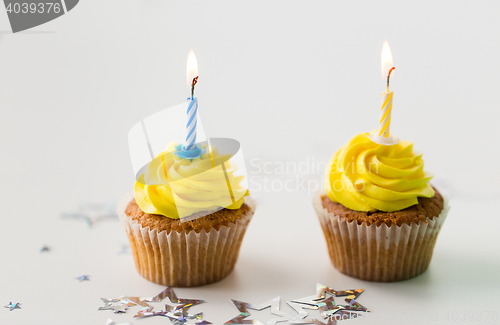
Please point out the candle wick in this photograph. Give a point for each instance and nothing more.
(195, 81)
(388, 76)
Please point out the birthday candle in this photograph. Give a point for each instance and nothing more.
(385, 112)
(192, 111)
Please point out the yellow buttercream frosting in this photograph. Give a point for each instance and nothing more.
(366, 176)
(177, 187)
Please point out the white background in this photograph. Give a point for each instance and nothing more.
(292, 81)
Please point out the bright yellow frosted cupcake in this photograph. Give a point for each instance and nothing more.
(188, 218)
(379, 215)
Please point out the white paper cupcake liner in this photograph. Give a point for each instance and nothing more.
(379, 253)
(181, 259)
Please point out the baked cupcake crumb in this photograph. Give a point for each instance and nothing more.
(426, 208)
(215, 220)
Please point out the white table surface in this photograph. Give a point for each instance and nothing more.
(292, 81)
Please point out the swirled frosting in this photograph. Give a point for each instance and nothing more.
(366, 176)
(177, 187)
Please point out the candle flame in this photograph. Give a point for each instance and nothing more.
(387, 63)
(191, 68)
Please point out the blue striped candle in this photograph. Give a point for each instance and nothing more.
(192, 113)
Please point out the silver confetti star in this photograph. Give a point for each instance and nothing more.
(187, 319)
(45, 248)
(328, 307)
(325, 303)
(182, 304)
(93, 213)
(83, 278)
(12, 306)
(120, 305)
(244, 306)
(170, 294)
(178, 314)
(351, 294)
(172, 298)
(125, 250)
(116, 305)
(139, 301)
(299, 307)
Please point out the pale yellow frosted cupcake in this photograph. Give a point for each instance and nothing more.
(205, 192)
(379, 214)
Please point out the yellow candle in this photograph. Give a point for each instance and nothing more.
(385, 112)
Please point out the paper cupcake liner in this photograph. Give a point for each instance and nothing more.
(383, 253)
(181, 259)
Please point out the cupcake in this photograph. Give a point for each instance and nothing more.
(379, 214)
(188, 217)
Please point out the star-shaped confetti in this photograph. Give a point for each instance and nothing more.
(44, 249)
(93, 213)
(177, 314)
(125, 250)
(351, 294)
(244, 306)
(324, 301)
(187, 319)
(120, 305)
(327, 306)
(116, 305)
(82, 278)
(299, 307)
(183, 304)
(12, 306)
(139, 301)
